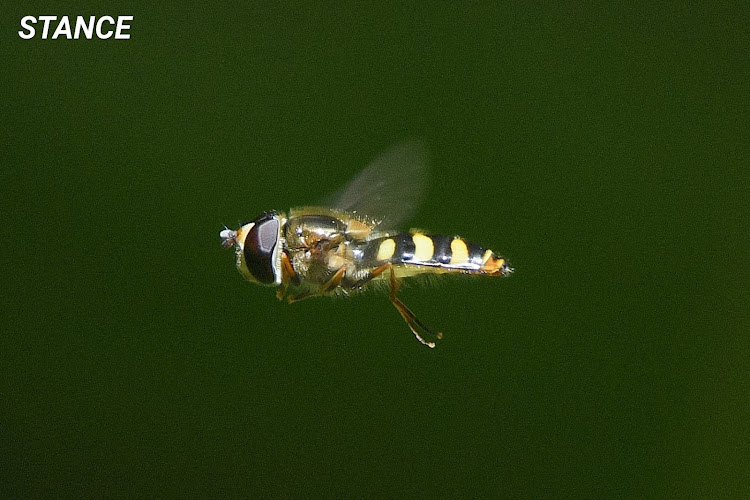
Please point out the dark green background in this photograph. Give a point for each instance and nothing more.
(604, 152)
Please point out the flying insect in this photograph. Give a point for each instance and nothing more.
(349, 243)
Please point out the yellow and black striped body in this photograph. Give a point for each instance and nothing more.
(322, 245)
(414, 253)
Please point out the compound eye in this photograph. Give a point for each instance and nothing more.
(259, 248)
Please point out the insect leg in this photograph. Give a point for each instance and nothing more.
(287, 271)
(296, 298)
(288, 274)
(334, 281)
(417, 327)
(327, 287)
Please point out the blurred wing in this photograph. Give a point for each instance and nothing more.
(390, 188)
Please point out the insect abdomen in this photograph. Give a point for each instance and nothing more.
(445, 253)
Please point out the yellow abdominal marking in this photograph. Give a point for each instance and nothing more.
(486, 256)
(423, 247)
(493, 266)
(459, 251)
(386, 249)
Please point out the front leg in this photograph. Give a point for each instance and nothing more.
(288, 275)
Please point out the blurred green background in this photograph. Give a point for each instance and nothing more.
(603, 151)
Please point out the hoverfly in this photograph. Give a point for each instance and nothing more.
(348, 244)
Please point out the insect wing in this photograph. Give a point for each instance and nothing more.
(390, 188)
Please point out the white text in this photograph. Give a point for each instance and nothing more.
(104, 27)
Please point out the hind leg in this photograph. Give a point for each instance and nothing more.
(420, 331)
